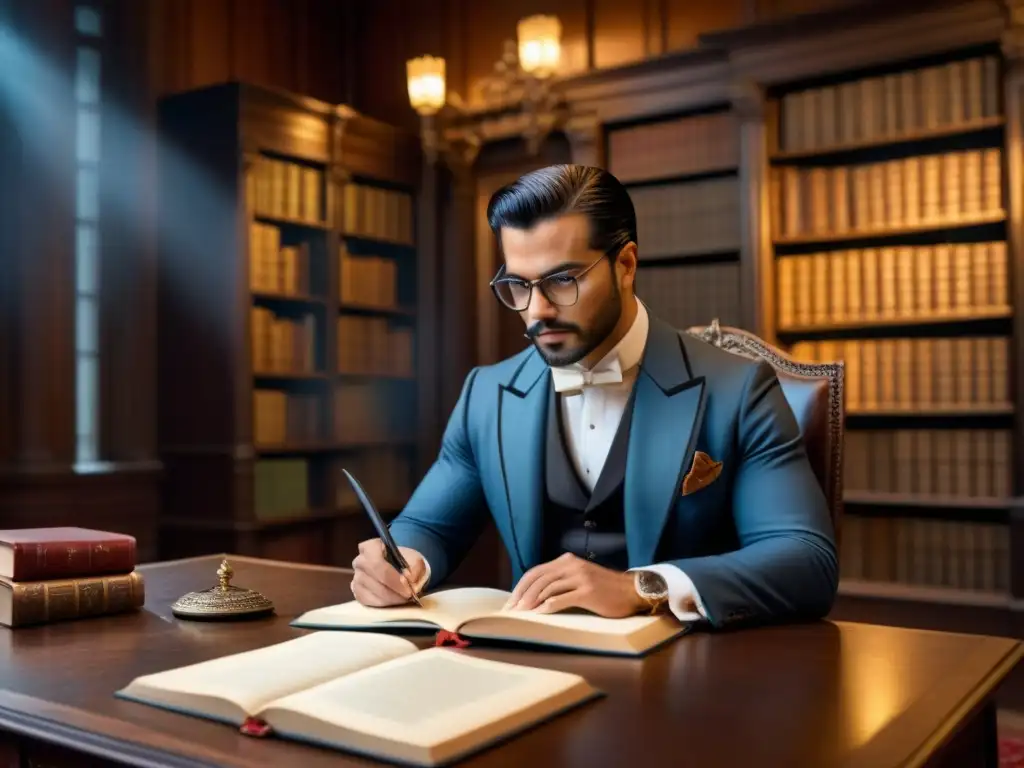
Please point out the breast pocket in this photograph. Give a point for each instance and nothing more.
(702, 519)
(705, 489)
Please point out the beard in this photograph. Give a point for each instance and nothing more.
(585, 340)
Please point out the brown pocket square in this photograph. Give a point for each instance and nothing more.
(703, 472)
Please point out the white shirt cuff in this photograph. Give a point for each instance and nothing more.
(680, 591)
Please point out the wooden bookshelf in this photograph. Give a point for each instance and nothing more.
(288, 319)
(925, 291)
(682, 172)
(888, 219)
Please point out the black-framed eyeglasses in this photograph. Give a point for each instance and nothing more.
(562, 288)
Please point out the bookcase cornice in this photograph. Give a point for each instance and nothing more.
(879, 34)
(658, 86)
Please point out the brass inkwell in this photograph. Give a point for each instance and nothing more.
(222, 602)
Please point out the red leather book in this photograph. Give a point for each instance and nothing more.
(36, 554)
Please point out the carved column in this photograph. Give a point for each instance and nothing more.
(757, 273)
(585, 139)
(459, 278)
(338, 178)
(428, 307)
(430, 138)
(1013, 167)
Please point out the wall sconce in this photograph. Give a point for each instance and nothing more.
(426, 84)
(540, 44)
(521, 80)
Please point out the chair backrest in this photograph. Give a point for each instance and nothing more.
(815, 393)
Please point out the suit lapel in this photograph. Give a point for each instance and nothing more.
(522, 407)
(667, 415)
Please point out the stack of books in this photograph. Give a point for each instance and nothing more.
(57, 574)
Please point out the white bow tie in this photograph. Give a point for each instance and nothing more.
(571, 381)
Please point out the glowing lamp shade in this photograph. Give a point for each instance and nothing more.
(540, 44)
(426, 84)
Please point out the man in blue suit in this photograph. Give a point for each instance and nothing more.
(628, 467)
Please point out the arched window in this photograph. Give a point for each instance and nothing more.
(88, 28)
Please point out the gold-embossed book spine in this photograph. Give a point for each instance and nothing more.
(45, 602)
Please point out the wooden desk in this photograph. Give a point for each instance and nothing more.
(823, 694)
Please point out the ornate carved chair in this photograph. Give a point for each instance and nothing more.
(814, 392)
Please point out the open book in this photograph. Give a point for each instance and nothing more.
(477, 612)
(368, 693)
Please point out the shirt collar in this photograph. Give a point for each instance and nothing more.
(630, 348)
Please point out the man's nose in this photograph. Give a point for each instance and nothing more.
(540, 308)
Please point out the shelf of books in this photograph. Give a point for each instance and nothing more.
(310, 325)
(682, 174)
(889, 228)
(375, 397)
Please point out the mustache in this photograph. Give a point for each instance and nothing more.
(542, 326)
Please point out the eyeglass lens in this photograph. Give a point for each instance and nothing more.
(561, 290)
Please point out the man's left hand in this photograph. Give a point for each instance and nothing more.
(572, 582)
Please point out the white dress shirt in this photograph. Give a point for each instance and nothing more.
(591, 414)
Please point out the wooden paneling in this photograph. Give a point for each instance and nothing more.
(383, 45)
(127, 248)
(625, 33)
(297, 45)
(125, 501)
(770, 10)
(687, 20)
(42, 202)
(621, 34)
(595, 34)
(11, 160)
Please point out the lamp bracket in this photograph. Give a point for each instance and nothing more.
(508, 102)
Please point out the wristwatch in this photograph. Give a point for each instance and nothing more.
(652, 589)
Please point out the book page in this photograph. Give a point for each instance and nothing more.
(577, 629)
(435, 698)
(232, 687)
(447, 609)
(583, 621)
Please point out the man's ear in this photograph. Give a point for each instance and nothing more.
(626, 263)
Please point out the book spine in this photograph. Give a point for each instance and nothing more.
(71, 559)
(45, 602)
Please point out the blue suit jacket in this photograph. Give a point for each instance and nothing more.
(757, 542)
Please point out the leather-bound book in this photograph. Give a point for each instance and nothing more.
(45, 602)
(34, 554)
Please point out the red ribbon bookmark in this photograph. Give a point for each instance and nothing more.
(446, 638)
(253, 726)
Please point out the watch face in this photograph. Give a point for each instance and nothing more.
(652, 585)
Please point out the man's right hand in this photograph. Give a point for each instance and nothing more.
(376, 583)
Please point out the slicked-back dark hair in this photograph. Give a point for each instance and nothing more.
(558, 190)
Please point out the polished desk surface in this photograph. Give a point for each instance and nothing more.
(819, 694)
